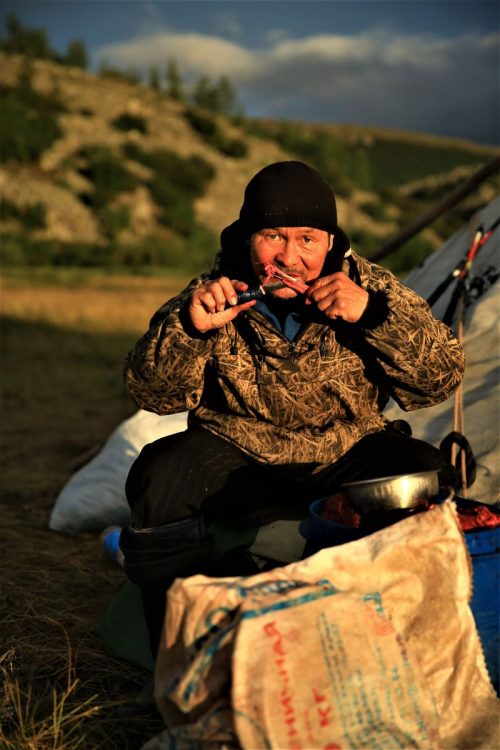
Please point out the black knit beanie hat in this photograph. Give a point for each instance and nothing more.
(290, 194)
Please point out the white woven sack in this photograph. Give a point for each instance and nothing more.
(94, 497)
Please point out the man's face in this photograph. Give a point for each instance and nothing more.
(300, 251)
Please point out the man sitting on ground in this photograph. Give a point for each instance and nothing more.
(285, 393)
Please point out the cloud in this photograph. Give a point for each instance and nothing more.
(196, 54)
(417, 82)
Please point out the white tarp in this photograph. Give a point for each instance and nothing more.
(94, 497)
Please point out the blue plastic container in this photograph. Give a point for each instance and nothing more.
(483, 546)
(320, 533)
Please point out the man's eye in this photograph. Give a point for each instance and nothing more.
(272, 236)
(307, 240)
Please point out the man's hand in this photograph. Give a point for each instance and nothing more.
(339, 297)
(208, 303)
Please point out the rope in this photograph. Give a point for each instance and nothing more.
(458, 411)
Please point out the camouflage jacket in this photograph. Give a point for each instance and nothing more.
(308, 401)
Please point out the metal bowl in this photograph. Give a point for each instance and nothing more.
(389, 493)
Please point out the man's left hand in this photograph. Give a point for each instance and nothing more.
(339, 297)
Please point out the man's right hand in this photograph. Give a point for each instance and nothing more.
(214, 303)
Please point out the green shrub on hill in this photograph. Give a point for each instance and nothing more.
(175, 184)
(24, 133)
(28, 125)
(202, 123)
(114, 221)
(109, 177)
(177, 211)
(31, 215)
(233, 147)
(128, 122)
(190, 174)
(205, 125)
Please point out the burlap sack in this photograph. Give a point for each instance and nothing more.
(368, 645)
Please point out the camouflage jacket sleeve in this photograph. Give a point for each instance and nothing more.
(164, 371)
(418, 358)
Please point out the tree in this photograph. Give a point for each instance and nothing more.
(154, 78)
(174, 82)
(225, 96)
(13, 25)
(24, 40)
(76, 54)
(204, 95)
(219, 97)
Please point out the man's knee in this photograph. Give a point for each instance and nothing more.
(173, 477)
(181, 548)
(150, 483)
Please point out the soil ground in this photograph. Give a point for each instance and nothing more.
(63, 340)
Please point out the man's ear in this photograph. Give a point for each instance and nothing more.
(331, 237)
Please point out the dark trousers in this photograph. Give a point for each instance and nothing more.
(182, 484)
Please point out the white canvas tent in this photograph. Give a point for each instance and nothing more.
(481, 343)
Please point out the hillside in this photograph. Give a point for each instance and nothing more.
(101, 171)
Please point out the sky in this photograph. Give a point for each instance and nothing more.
(421, 65)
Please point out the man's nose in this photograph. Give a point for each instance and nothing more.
(289, 253)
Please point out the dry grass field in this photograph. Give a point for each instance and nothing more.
(63, 338)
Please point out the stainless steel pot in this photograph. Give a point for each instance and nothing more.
(390, 493)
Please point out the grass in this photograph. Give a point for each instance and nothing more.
(63, 339)
(61, 723)
(89, 303)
